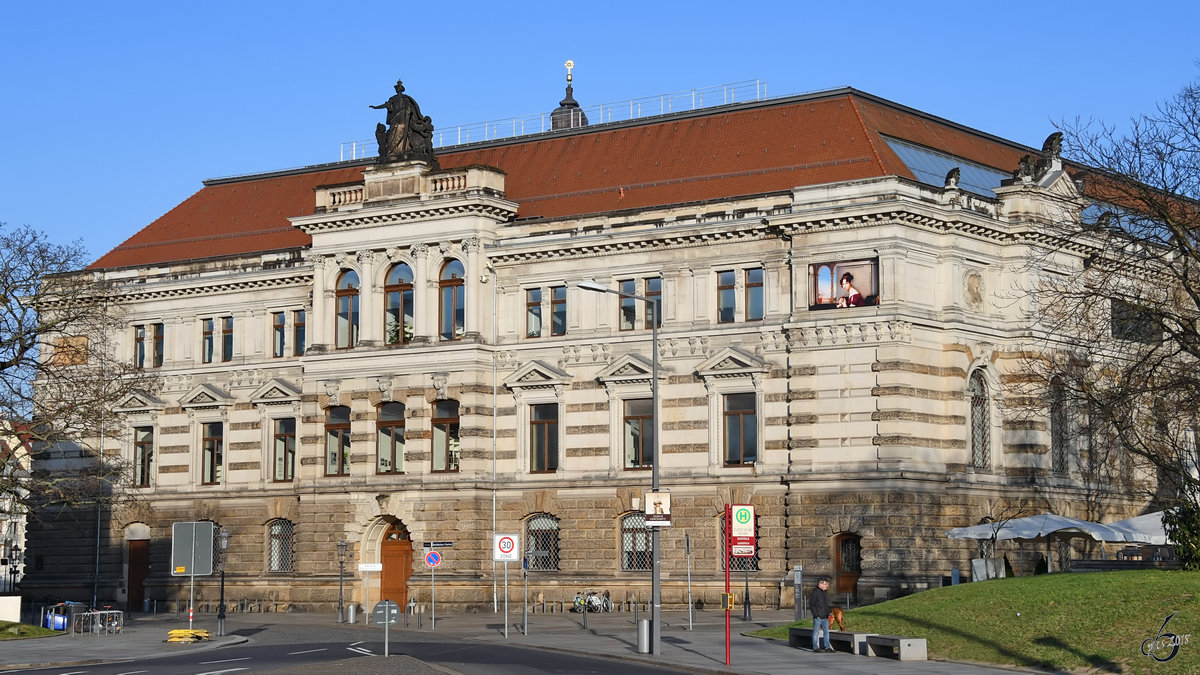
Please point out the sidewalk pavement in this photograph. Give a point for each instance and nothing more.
(700, 650)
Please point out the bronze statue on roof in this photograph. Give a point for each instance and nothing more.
(408, 135)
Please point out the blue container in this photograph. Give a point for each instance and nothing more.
(56, 621)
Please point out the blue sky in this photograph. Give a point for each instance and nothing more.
(113, 113)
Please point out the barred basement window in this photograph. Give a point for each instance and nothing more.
(280, 542)
(541, 542)
(635, 543)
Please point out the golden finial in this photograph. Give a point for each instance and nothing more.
(569, 64)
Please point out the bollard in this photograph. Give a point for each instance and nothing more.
(352, 613)
(643, 636)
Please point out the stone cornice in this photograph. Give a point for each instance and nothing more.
(494, 209)
(842, 335)
(228, 284)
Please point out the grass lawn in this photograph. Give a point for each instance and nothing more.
(15, 631)
(1081, 622)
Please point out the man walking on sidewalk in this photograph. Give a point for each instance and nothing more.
(818, 602)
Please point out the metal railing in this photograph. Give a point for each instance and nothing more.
(603, 113)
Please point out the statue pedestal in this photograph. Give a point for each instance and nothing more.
(398, 180)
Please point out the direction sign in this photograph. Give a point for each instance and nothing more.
(385, 612)
(506, 548)
(743, 521)
(433, 558)
(192, 548)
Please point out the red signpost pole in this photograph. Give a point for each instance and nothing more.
(728, 529)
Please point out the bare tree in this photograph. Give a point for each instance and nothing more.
(1130, 303)
(58, 378)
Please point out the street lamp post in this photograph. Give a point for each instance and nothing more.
(341, 546)
(223, 544)
(655, 548)
(14, 567)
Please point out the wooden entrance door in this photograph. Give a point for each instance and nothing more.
(396, 553)
(139, 570)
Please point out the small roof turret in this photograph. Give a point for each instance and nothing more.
(568, 114)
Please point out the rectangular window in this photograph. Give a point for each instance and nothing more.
(628, 305)
(639, 433)
(213, 444)
(206, 343)
(741, 429)
(139, 346)
(725, 296)
(227, 338)
(1133, 324)
(298, 332)
(337, 441)
(389, 441)
(446, 442)
(284, 449)
(157, 332)
(754, 294)
(654, 294)
(533, 312)
(278, 334)
(143, 456)
(543, 437)
(558, 310)
(843, 283)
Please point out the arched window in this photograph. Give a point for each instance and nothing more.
(347, 309)
(541, 542)
(635, 543)
(445, 436)
(452, 303)
(280, 546)
(389, 433)
(981, 426)
(848, 565)
(398, 326)
(337, 441)
(1058, 426)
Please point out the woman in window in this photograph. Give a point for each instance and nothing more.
(852, 298)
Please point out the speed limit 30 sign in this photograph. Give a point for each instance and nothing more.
(506, 548)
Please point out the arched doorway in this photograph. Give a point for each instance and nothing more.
(395, 552)
(137, 539)
(847, 548)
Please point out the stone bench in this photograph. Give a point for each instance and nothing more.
(842, 641)
(895, 646)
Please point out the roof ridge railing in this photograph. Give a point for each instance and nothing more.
(603, 113)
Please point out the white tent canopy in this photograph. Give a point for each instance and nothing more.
(1040, 527)
(1145, 529)
(1045, 527)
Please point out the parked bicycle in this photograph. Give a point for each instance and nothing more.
(591, 601)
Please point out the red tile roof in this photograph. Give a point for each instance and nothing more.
(748, 149)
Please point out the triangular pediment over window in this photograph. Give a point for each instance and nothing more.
(628, 369)
(138, 401)
(275, 391)
(205, 396)
(731, 362)
(537, 374)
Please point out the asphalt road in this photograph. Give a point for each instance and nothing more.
(338, 649)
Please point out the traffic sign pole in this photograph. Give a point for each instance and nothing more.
(728, 559)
